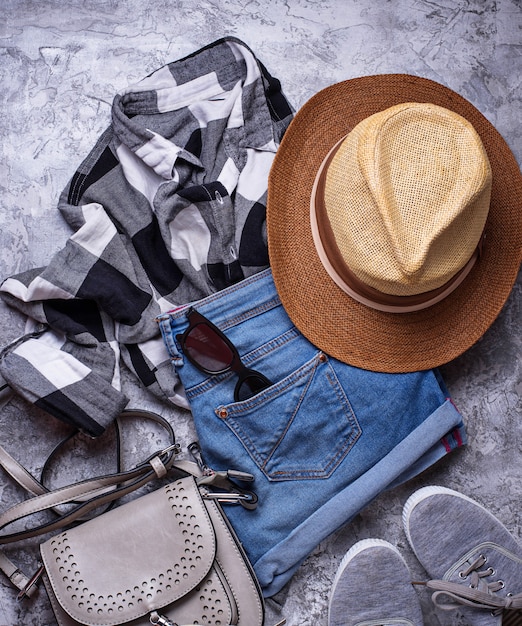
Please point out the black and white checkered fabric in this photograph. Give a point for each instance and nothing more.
(167, 208)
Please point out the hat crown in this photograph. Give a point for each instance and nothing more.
(407, 195)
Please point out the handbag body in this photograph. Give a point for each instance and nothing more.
(169, 557)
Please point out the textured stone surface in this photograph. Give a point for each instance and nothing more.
(62, 62)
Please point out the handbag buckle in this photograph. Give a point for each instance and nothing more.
(247, 499)
(232, 492)
(156, 618)
(175, 448)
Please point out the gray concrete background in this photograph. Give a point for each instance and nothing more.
(61, 64)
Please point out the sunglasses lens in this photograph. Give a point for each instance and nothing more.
(207, 349)
(250, 385)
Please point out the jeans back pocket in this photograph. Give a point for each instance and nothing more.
(302, 427)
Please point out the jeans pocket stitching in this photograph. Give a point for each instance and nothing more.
(351, 428)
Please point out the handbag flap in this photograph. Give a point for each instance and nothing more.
(134, 559)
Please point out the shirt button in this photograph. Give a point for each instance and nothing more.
(222, 413)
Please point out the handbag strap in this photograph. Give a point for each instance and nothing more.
(85, 495)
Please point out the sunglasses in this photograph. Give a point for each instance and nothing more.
(212, 352)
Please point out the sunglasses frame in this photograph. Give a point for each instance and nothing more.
(195, 318)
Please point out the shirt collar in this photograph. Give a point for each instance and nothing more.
(221, 81)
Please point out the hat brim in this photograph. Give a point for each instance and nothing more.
(327, 316)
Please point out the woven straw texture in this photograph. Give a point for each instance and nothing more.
(329, 318)
(407, 196)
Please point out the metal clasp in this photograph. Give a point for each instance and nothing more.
(175, 448)
(195, 452)
(156, 618)
(231, 492)
(247, 499)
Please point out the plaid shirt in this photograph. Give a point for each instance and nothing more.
(167, 208)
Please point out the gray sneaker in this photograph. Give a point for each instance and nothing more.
(372, 587)
(475, 562)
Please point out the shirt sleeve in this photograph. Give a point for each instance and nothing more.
(86, 310)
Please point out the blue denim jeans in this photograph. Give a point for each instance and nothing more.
(322, 441)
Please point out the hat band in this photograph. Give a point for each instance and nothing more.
(335, 265)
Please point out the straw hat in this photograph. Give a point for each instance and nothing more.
(394, 222)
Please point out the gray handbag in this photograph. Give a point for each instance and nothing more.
(169, 557)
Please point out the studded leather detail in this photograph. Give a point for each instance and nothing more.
(136, 558)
